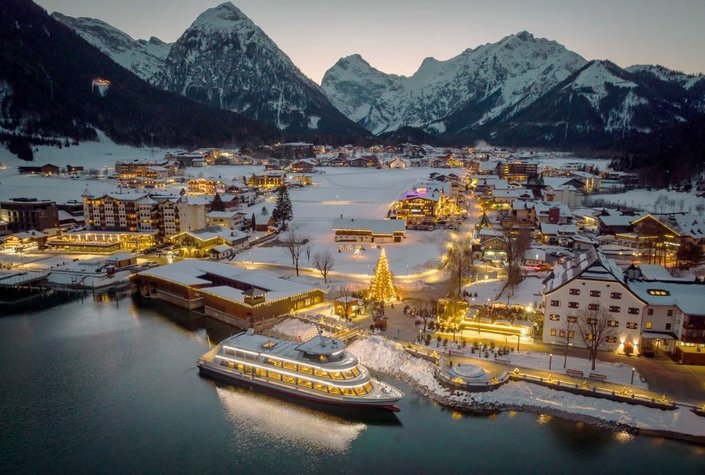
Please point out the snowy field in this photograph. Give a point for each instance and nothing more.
(354, 193)
(656, 201)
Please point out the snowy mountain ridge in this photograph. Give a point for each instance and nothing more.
(494, 78)
(145, 58)
(225, 60)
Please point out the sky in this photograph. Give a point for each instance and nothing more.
(395, 36)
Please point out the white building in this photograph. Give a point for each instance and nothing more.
(590, 282)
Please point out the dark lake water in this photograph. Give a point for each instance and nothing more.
(111, 387)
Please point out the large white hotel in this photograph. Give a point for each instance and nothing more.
(647, 307)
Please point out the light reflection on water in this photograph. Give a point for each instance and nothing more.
(287, 422)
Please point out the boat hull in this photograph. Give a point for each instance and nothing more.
(282, 391)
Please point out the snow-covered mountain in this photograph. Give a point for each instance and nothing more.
(477, 86)
(223, 59)
(598, 103)
(145, 58)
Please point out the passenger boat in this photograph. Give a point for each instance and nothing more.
(318, 370)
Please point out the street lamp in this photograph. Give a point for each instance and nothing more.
(550, 360)
(632, 383)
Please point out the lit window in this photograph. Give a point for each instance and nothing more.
(648, 325)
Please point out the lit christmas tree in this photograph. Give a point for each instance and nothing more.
(382, 283)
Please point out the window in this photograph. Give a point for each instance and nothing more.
(554, 317)
(611, 339)
(659, 292)
(613, 323)
(614, 309)
(573, 305)
(648, 325)
(633, 311)
(571, 334)
(668, 326)
(649, 311)
(594, 306)
(572, 319)
(616, 295)
(669, 312)
(632, 325)
(555, 303)
(561, 333)
(574, 291)
(595, 293)
(553, 332)
(592, 321)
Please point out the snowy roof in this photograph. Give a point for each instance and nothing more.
(211, 232)
(684, 224)
(193, 272)
(548, 229)
(591, 265)
(687, 296)
(543, 207)
(512, 193)
(379, 226)
(222, 214)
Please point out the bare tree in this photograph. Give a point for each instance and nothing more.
(345, 296)
(517, 241)
(568, 334)
(426, 310)
(295, 244)
(323, 262)
(594, 329)
(459, 261)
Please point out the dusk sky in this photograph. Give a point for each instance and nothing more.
(396, 35)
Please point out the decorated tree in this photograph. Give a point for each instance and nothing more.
(382, 287)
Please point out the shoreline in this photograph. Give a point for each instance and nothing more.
(472, 403)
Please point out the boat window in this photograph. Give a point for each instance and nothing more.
(261, 372)
(368, 387)
(319, 372)
(305, 382)
(355, 371)
(290, 379)
(229, 351)
(336, 375)
(333, 390)
(240, 354)
(248, 369)
(323, 358)
(274, 375)
(320, 387)
(348, 392)
(348, 374)
(360, 391)
(274, 362)
(305, 369)
(240, 367)
(290, 366)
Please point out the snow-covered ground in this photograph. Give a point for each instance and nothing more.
(388, 357)
(528, 292)
(657, 201)
(617, 373)
(353, 193)
(295, 328)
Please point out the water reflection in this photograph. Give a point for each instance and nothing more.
(287, 422)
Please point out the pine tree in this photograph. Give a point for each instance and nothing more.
(253, 223)
(283, 211)
(382, 287)
(217, 203)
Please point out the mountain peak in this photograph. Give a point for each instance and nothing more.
(524, 36)
(223, 16)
